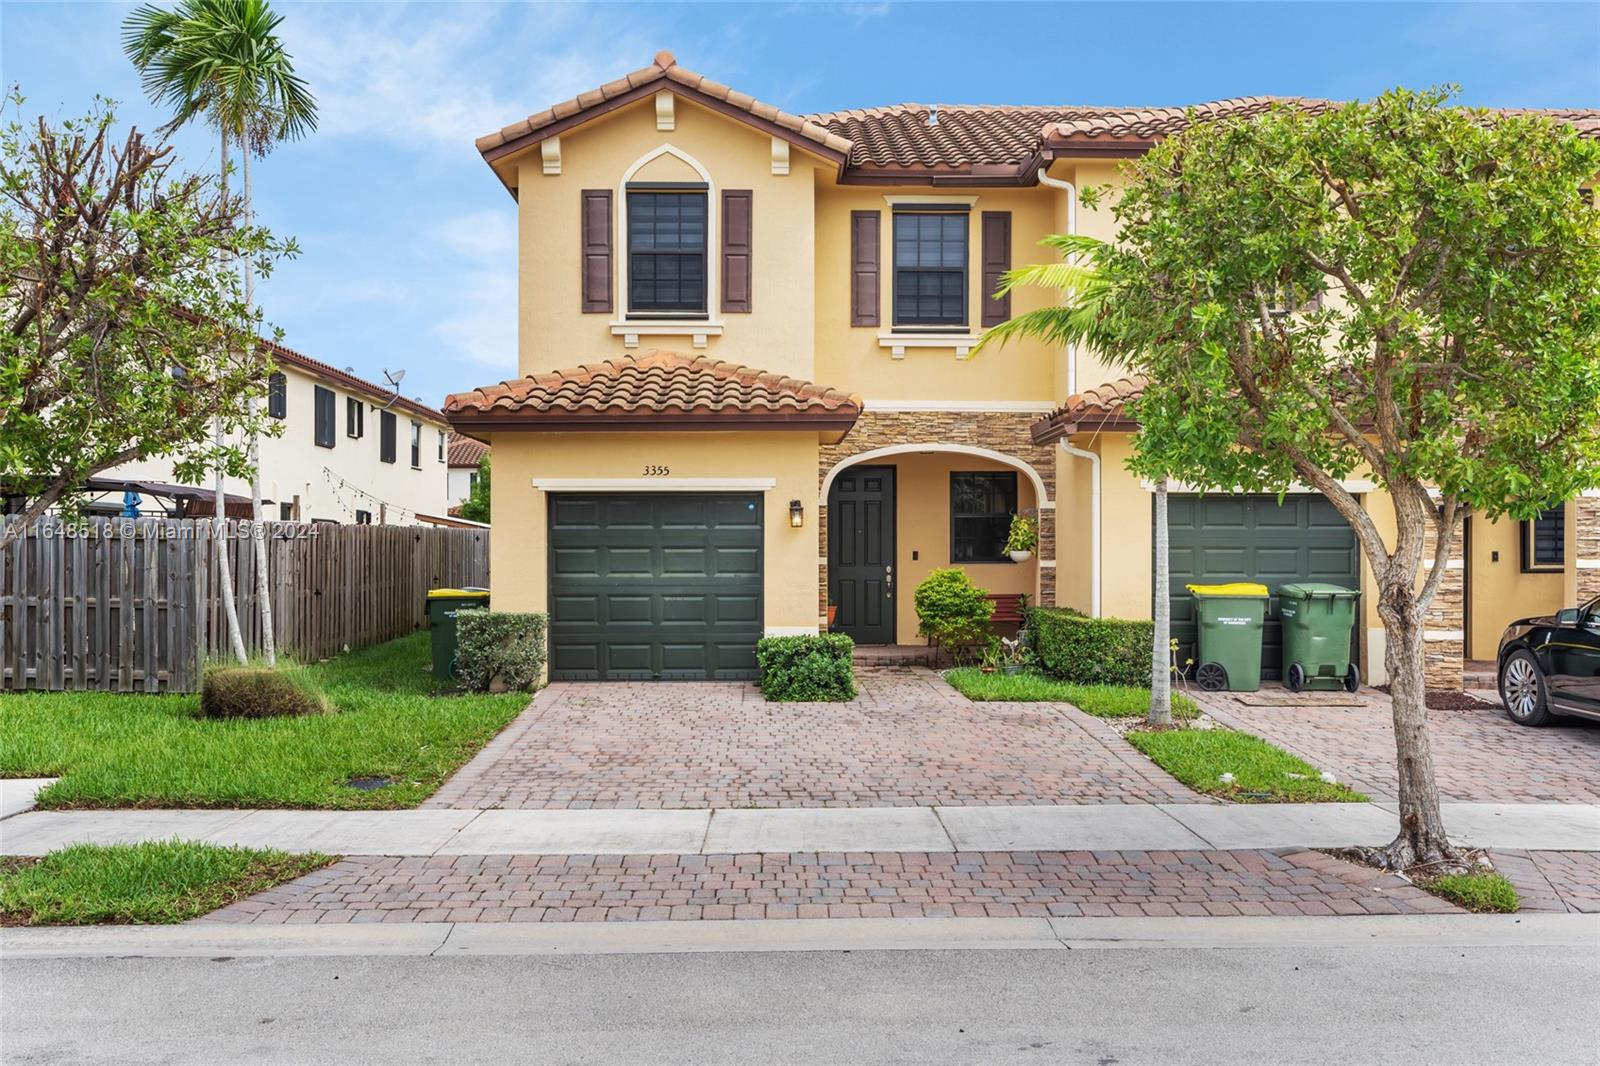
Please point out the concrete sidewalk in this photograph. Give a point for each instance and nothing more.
(1121, 827)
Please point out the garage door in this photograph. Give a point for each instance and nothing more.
(1216, 539)
(654, 586)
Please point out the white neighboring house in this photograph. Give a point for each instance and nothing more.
(351, 452)
(465, 455)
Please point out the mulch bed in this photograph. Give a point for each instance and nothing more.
(1439, 699)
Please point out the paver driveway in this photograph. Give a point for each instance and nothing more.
(908, 740)
(1479, 755)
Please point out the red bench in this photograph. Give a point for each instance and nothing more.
(1007, 608)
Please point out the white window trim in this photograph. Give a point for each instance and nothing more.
(654, 484)
(619, 226)
(909, 200)
(697, 328)
(897, 343)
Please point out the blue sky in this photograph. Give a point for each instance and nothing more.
(408, 257)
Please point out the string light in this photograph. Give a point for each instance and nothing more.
(337, 484)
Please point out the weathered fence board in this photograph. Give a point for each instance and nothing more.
(135, 606)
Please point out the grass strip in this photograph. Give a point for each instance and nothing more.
(152, 883)
(1261, 772)
(130, 750)
(1102, 701)
(1483, 893)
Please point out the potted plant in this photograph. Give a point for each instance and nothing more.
(833, 612)
(1022, 539)
(1013, 654)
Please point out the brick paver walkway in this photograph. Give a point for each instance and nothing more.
(569, 888)
(908, 740)
(1553, 880)
(1481, 756)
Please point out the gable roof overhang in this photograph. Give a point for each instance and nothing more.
(1102, 409)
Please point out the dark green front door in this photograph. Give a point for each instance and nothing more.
(654, 586)
(1221, 538)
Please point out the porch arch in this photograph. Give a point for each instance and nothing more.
(1040, 493)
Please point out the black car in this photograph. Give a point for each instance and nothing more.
(1550, 666)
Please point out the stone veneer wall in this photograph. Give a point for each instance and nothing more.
(1586, 517)
(1007, 432)
(1445, 650)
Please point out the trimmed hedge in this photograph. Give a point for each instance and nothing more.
(807, 669)
(951, 610)
(499, 651)
(1092, 651)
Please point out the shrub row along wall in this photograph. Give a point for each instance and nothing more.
(1095, 651)
(133, 605)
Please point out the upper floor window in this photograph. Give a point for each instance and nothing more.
(324, 408)
(363, 518)
(1544, 540)
(441, 445)
(930, 267)
(277, 395)
(981, 506)
(386, 431)
(416, 445)
(667, 251)
(355, 416)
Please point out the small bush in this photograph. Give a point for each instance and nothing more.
(807, 669)
(1486, 893)
(259, 692)
(951, 610)
(1092, 651)
(499, 651)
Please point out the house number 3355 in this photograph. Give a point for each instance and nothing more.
(651, 470)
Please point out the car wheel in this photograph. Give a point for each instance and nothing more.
(1522, 690)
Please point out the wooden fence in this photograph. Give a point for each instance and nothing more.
(132, 605)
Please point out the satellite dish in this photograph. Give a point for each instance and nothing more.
(394, 378)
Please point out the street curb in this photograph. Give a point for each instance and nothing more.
(218, 940)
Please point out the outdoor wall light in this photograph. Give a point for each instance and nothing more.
(797, 514)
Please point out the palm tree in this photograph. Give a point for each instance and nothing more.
(222, 61)
(1084, 316)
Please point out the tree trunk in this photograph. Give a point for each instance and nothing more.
(1422, 836)
(220, 523)
(1161, 644)
(269, 648)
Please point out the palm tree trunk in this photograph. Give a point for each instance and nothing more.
(269, 647)
(219, 538)
(1161, 643)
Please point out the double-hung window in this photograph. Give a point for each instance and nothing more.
(981, 506)
(322, 430)
(386, 429)
(930, 268)
(667, 261)
(416, 445)
(355, 416)
(1544, 541)
(277, 395)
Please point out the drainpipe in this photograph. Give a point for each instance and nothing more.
(1094, 523)
(1072, 229)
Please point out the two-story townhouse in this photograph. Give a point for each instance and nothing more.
(748, 389)
(350, 451)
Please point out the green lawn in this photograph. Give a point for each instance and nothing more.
(149, 883)
(1103, 701)
(1261, 772)
(115, 750)
(1486, 893)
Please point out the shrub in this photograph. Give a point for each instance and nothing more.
(498, 651)
(1092, 651)
(951, 610)
(259, 692)
(807, 669)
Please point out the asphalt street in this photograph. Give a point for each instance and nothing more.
(1260, 1005)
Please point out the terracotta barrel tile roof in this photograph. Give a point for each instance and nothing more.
(652, 389)
(900, 136)
(466, 452)
(1102, 407)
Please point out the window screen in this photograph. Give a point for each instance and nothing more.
(667, 251)
(930, 268)
(1544, 540)
(981, 506)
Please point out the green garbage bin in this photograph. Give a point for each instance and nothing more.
(1317, 619)
(442, 607)
(1230, 619)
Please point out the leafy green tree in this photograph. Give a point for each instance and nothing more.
(475, 507)
(1400, 290)
(222, 61)
(118, 310)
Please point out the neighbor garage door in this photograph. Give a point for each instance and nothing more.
(1217, 539)
(654, 585)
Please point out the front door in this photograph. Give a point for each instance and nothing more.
(861, 553)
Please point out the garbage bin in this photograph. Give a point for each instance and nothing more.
(442, 607)
(1230, 619)
(1317, 619)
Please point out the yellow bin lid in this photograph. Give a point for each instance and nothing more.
(439, 594)
(1238, 588)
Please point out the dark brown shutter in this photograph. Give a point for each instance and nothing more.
(996, 261)
(736, 249)
(864, 251)
(596, 237)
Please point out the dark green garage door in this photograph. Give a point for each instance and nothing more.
(1219, 538)
(654, 586)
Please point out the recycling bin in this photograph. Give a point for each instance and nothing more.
(443, 604)
(1230, 621)
(1317, 619)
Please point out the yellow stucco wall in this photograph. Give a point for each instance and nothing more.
(518, 549)
(922, 488)
(1498, 591)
